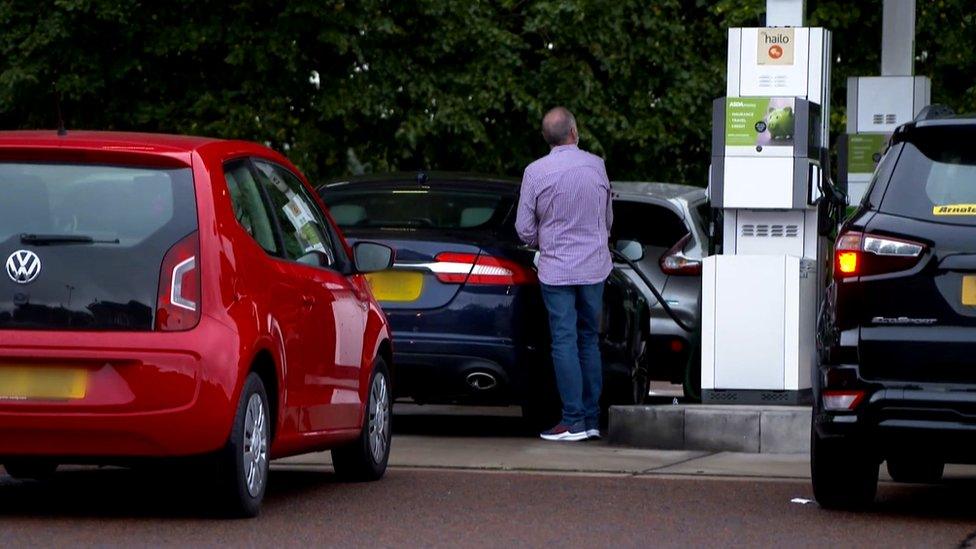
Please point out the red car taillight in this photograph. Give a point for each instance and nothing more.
(458, 268)
(673, 262)
(677, 345)
(859, 254)
(842, 400)
(178, 303)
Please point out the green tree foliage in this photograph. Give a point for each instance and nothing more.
(382, 85)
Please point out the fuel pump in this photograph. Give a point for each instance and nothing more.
(876, 105)
(762, 288)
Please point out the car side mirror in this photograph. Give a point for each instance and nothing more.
(315, 258)
(371, 257)
(631, 249)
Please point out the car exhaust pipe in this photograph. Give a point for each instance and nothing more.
(481, 381)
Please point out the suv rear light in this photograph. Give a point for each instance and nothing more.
(178, 302)
(674, 262)
(859, 254)
(842, 401)
(457, 268)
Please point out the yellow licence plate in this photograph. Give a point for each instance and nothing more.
(969, 290)
(42, 383)
(399, 286)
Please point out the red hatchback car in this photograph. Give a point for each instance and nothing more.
(168, 296)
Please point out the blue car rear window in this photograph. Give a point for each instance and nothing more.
(419, 207)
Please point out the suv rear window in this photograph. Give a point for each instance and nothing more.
(100, 234)
(935, 178)
(404, 207)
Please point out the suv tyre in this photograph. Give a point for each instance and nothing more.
(844, 473)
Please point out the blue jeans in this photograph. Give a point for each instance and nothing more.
(574, 321)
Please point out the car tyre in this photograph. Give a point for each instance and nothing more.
(844, 473)
(640, 385)
(366, 458)
(915, 469)
(640, 375)
(243, 464)
(621, 389)
(30, 469)
(541, 413)
(541, 406)
(691, 387)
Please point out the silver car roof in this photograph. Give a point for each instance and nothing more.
(661, 191)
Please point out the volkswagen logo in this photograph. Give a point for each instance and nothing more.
(23, 266)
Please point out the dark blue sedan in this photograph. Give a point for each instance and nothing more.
(463, 300)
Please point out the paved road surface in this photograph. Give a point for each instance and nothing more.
(449, 508)
(440, 495)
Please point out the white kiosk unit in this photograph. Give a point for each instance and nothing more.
(761, 291)
(876, 105)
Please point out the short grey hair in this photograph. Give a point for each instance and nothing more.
(557, 125)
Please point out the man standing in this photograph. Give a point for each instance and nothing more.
(565, 210)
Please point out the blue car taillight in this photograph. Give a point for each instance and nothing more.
(460, 268)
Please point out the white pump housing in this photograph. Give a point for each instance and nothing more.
(760, 291)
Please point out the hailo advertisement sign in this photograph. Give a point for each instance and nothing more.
(775, 46)
(774, 62)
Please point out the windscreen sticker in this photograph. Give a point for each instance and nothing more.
(955, 209)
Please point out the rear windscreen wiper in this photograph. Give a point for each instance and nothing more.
(42, 239)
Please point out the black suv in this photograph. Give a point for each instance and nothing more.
(897, 374)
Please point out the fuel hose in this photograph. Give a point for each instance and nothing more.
(692, 386)
(660, 298)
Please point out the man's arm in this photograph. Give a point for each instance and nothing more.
(609, 199)
(525, 221)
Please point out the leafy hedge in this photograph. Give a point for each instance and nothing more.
(378, 85)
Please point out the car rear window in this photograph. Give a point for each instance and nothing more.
(703, 211)
(649, 224)
(405, 207)
(935, 179)
(104, 202)
(98, 235)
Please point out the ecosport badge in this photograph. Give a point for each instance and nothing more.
(904, 320)
(23, 266)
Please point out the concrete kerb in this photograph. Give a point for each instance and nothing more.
(535, 456)
(749, 429)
